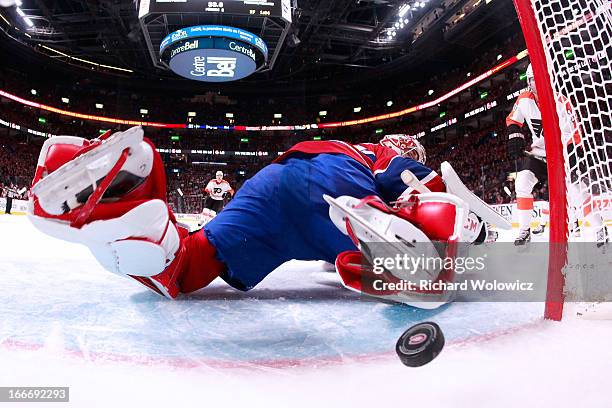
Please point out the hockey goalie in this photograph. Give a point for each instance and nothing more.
(326, 200)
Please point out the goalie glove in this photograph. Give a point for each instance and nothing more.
(516, 145)
(110, 195)
(427, 226)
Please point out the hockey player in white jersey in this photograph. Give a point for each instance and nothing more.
(532, 167)
(217, 190)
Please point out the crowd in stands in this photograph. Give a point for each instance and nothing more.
(17, 164)
(476, 150)
(479, 157)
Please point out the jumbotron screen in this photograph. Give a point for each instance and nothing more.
(260, 8)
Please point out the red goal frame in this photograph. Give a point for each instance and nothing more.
(557, 258)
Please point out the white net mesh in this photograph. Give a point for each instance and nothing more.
(577, 38)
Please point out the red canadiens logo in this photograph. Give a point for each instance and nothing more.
(471, 223)
(417, 339)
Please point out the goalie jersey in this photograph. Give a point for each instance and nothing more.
(280, 214)
(384, 163)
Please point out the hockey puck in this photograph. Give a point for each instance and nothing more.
(420, 344)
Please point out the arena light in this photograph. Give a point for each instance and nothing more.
(316, 138)
(63, 54)
(99, 106)
(278, 115)
(229, 115)
(5, 20)
(42, 120)
(65, 100)
(323, 113)
(389, 103)
(357, 109)
(191, 114)
(403, 10)
(499, 56)
(33, 92)
(23, 16)
(244, 140)
(210, 163)
(90, 117)
(430, 92)
(144, 111)
(175, 138)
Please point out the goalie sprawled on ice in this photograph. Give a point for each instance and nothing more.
(319, 201)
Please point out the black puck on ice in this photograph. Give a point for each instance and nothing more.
(420, 344)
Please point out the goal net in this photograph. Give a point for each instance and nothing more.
(570, 48)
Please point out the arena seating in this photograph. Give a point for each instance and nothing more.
(476, 149)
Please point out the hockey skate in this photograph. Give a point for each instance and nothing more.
(576, 229)
(427, 226)
(539, 229)
(601, 237)
(523, 238)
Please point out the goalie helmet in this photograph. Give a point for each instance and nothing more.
(531, 80)
(405, 146)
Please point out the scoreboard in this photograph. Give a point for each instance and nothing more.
(255, 8)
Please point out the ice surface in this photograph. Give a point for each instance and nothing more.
(297, 339)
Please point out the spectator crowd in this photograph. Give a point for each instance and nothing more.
(475, 148)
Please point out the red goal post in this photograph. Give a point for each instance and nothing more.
(569, 45)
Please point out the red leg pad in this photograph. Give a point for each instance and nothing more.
(201, 265)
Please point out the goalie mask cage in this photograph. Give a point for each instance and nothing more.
(570, 47)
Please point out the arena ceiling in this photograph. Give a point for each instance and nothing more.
(337, 40)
